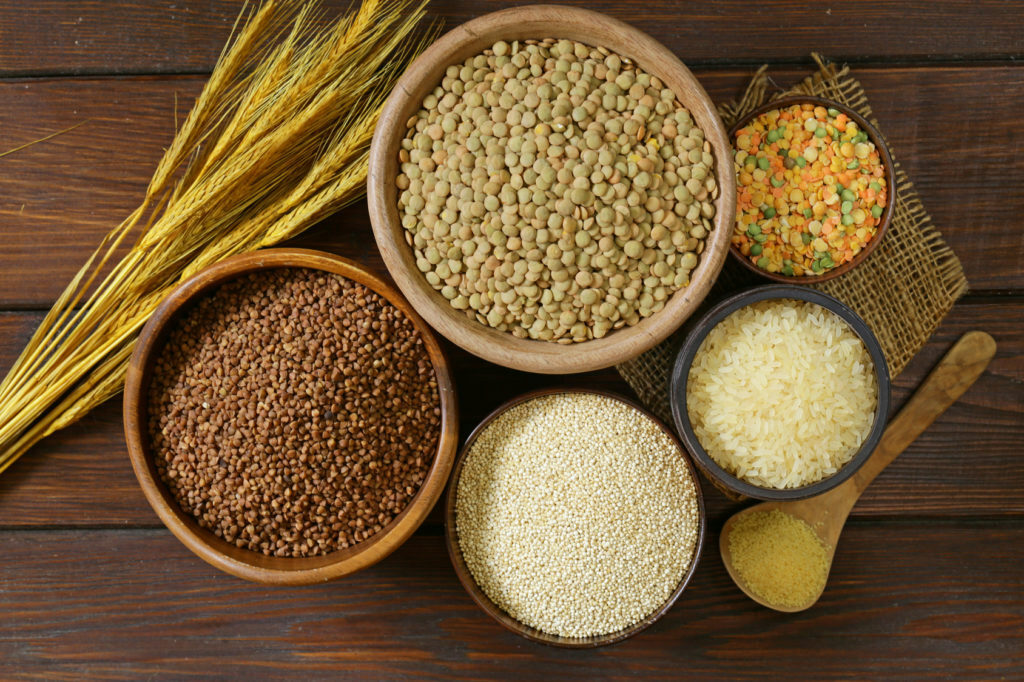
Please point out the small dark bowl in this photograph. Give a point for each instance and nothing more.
(890, 182)
(681, 374)
(495, 611)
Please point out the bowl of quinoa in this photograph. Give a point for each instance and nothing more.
(815, 189)
(574, 517)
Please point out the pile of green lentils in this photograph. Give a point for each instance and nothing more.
(555, 190)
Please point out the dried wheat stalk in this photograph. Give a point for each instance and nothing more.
(276, 141)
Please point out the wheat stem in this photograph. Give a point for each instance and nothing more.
(276, 140)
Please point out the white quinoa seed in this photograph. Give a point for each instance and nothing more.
(576, 514)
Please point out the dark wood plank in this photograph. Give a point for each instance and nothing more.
(927, 580)
(903, 601)
(167, 36)
(59, 197)
(962, 465)
(155, 36)
(944, 468)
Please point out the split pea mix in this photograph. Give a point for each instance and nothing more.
(811, 190)
(294, 412)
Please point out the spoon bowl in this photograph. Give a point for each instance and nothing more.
(822, 514)
(826, 513)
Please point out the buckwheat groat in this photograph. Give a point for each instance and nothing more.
(294, 412)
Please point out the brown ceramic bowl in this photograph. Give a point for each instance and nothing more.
(890, 182)
(681, 373)
(495, 611)
(519, 23)
(245, 563)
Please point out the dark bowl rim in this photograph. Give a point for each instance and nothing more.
(890, 178)
(492, 609)
(693, 341)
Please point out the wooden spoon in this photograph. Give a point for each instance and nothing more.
(827, 512)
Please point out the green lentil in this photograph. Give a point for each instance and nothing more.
(554, 174)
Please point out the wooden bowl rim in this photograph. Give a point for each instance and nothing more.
(503, 348)
(245, 563)
(693, 341)
(496, 612)
(890, 178)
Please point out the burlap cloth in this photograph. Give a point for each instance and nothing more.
(903, 290)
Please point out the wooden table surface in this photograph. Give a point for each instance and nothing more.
(928, 579)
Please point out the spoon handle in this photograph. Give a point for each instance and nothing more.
(954, 374)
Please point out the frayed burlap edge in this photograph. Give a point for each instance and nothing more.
(904, 289)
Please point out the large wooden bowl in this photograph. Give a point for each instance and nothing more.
(493, 610)
(542, 21)
(245, 563)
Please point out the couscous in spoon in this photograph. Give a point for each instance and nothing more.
(826, 513)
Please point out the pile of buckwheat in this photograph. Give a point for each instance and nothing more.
(293, 412)
(576, 514)
(555, 190)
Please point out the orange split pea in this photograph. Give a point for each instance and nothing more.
(811, 190)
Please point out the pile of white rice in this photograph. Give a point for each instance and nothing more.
(782, 393)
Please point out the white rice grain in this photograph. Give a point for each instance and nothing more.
(782, 393)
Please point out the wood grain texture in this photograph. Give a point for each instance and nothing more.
(954, 374)
(957, 467)
(59, 197)
(185, 36)
(125, 604)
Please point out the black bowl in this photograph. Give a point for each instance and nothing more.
(681, 373)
